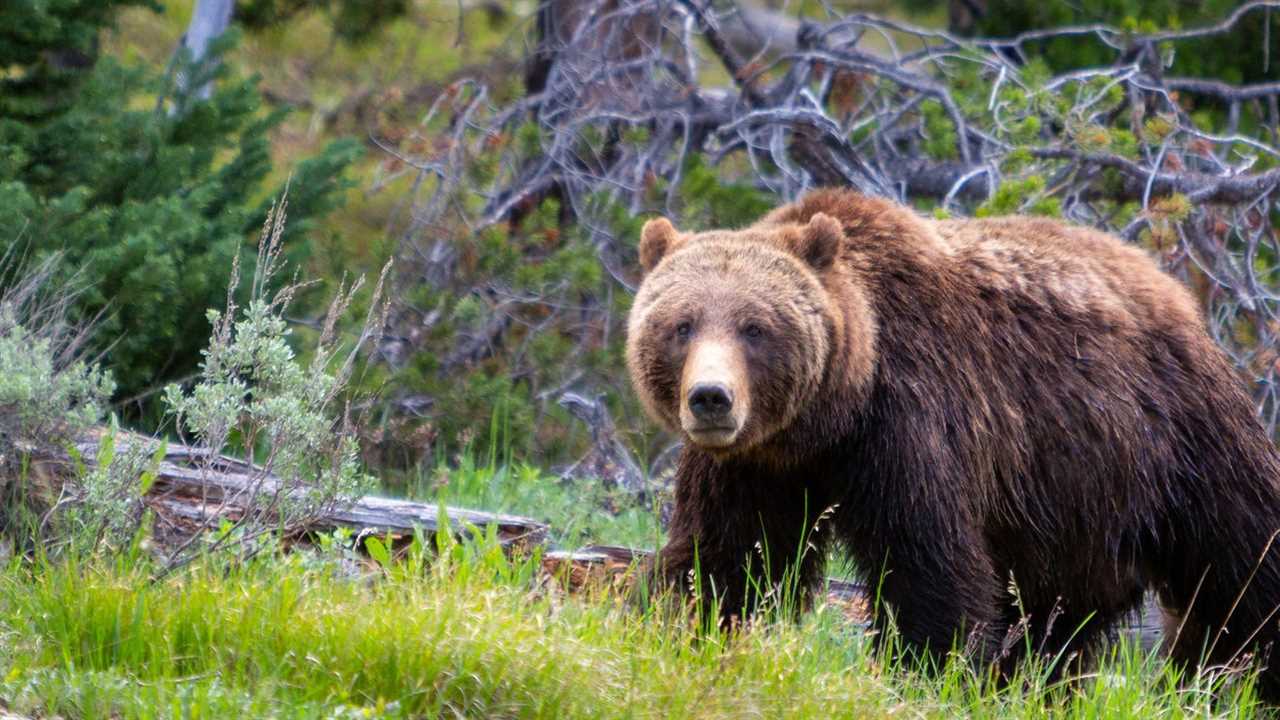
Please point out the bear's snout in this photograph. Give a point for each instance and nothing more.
(711, 403)
(714, 394)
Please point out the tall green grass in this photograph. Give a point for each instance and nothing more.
(464, 631)
(580, 512)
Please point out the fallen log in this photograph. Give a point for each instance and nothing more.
(193, 490)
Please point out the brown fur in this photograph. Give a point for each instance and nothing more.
(982, 402)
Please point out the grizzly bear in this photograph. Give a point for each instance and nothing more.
(1010, 424)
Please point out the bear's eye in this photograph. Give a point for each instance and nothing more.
(684, 330)
(753, 331)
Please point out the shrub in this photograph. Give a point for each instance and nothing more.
(50, 396)
(48, 393)
(252, 396)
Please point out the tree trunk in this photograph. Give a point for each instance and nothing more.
(209, 19)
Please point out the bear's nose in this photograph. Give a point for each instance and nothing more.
(710, 401)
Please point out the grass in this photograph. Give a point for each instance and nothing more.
(579, 512)
(463, 631)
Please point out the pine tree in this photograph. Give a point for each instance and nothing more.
(145, 189)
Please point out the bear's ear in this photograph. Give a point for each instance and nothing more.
(820, 241)
(657, 239)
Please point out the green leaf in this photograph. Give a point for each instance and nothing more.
(146, 481)
(107, 449)
(149, 476)
(77, 459)
(378, 551)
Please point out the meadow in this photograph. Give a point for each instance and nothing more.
(459, 629)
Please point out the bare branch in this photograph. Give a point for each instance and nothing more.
(1223, 91)
(636, 90)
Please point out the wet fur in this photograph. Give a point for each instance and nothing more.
(1001, 401)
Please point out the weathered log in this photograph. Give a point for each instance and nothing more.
(193, 487)
(609, 460)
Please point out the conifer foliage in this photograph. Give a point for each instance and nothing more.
(144, 188)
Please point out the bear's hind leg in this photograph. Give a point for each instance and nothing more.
(1222, 634)
(1224, 598)
(1063, 640)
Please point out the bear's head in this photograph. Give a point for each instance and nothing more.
(732, 332)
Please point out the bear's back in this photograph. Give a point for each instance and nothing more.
(1071, 265)
(1040, 260)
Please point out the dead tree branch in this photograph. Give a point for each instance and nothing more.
(956, 122)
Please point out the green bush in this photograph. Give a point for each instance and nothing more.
(253, 397)
(40, 400)
(50, 397)
(353, 20)
(146, 189)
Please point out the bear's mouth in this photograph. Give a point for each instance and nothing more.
(713, 436)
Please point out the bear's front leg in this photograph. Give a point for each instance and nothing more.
(938, 590)
(741, 539)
